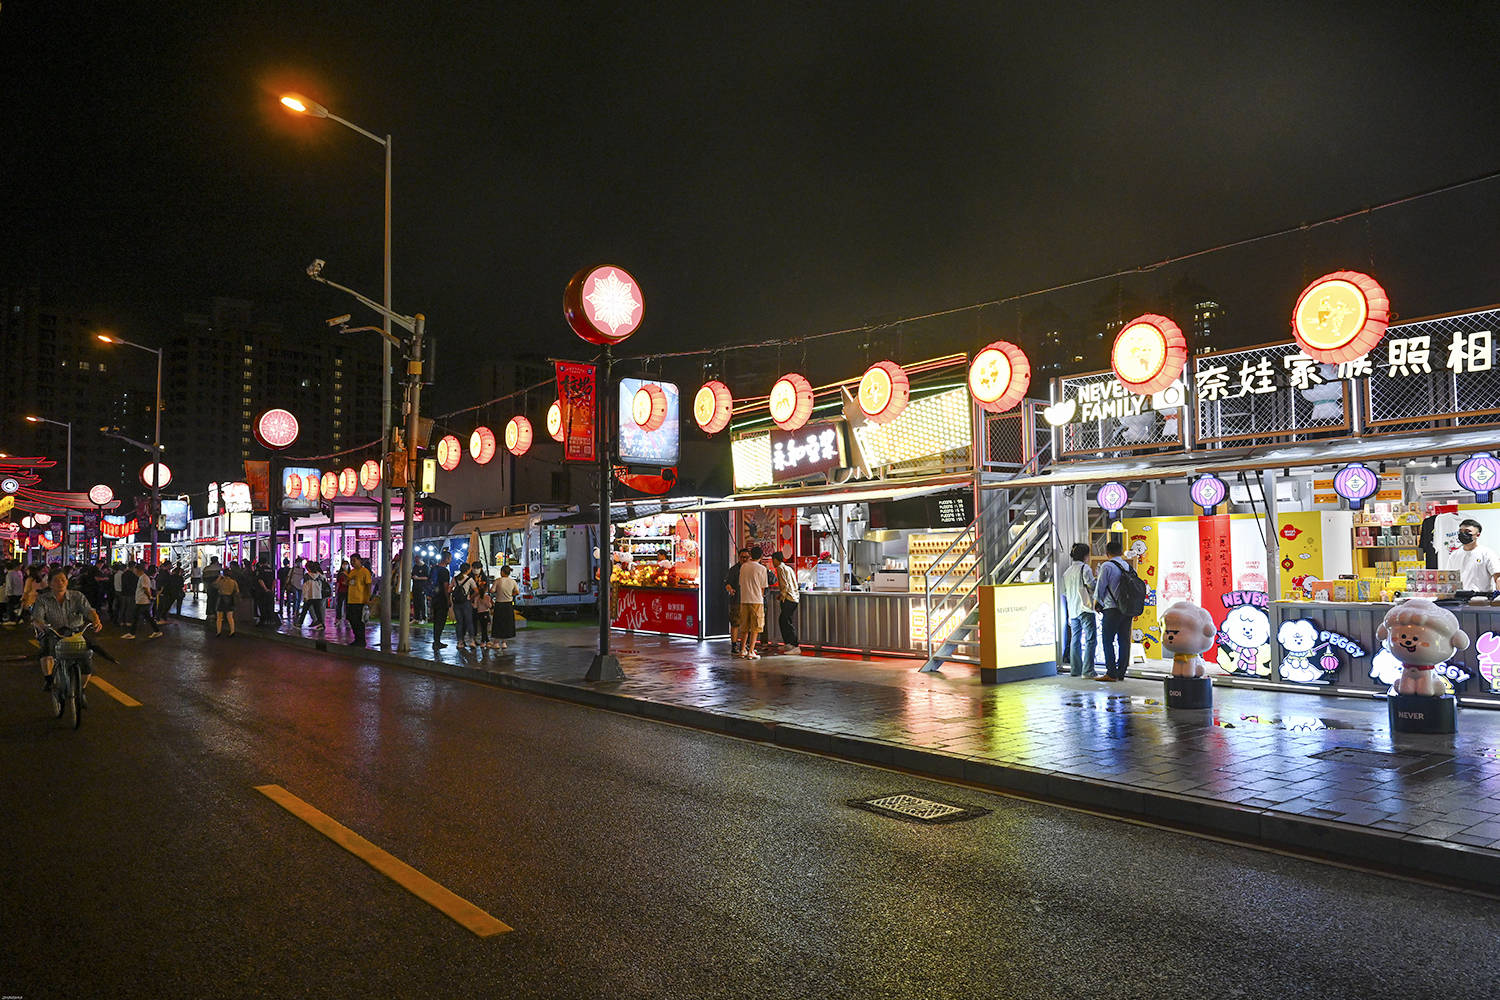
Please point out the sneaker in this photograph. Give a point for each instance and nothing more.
(753, 656)
(157, 635)
(128, 635)
(439, 645)
(504, 646)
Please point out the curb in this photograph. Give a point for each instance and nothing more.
(1457, 865)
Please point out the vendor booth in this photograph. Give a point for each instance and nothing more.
(667, 564)
(1296, 501)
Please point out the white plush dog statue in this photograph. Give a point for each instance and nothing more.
(1421, 635)
(1186, 631)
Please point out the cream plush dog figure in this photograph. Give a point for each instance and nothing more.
(1186, 631)
(1421, 635)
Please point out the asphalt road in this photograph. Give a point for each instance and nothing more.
(632, 859)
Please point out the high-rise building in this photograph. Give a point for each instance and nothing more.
(56, 367)
(223, 368)
(1201, 316)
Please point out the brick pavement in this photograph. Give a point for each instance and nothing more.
(1250, 768)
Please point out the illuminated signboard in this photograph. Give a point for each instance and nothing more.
(99, 494)
(236, 498)
(276, 429)
(643, 445)
(817, 447)
(175, 515)
(1019, 626)
(299, 489)
(603, 305)
(429, 475)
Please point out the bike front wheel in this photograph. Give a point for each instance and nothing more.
(75, 681)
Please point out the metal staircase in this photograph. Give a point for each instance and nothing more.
(1009, 538)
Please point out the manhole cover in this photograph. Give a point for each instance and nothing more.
(1378, 758)
(918, 808)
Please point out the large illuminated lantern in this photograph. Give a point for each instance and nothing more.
(554, 421)
(369, 475)
(603, 305)
(791, 401)
(482, 445)
(448, 450)
(1149, 354)
(518, 435)
(348, 482)
(1340, 317)
(648, 407)
(884, 392)
(329, 487)
(713, 405)
(999, 376)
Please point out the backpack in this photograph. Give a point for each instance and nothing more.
(1130, 591)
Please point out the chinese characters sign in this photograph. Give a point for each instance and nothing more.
(814, 448)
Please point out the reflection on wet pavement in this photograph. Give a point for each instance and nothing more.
(1254, 749)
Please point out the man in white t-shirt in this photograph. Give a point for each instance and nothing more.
(1478, 567)
(753, 583)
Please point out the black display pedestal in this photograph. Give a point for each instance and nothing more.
(1189, 692)
(1422, 713)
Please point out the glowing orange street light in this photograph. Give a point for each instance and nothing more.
(303, 106)
(33, 420)
(106, 338)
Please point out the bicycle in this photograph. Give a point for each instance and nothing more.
(69, 653)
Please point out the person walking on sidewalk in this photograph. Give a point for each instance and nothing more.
(440, 582)
(15, 584)
(484, 602)
(341, 591)
(463, 606)
(211, 574)
(1116, 622)
(359, 585)
(786, 580)
(227, 589)
(753, 583)
(312, 597)
(421, 580)
(295, 577)
(1078, 599)
(732, 588)
(196, 578)
(504, 611)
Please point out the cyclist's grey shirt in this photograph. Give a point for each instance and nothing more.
(72, 612)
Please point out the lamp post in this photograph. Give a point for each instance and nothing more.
(298, 104)
(68, 520)
(109, 338)
(416, 325)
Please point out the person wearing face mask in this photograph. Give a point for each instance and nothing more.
(1478, 567)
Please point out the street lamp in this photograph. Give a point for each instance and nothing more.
(156, 438)
(416, 325)
(68, 521)
(298, 104)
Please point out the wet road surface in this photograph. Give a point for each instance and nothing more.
(632, 859)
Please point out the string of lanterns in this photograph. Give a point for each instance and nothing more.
(1339, 317)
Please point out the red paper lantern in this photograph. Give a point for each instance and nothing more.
(348, 482)
(884, 392)
(603, 305)
(999, 376)
(1149, 354)
(554, 421)
(276, 429)
(791, 401)
(292, 485)
(482, 445)
(369, 475)
(1340, 317)
(713, 406)
(518, 436)
(648, 408)
(311, 485)
(447, 453)
(330, 485)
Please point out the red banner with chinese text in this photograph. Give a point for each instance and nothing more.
(258, 478)
(576, 397)
(650, 609)
(1215, 570)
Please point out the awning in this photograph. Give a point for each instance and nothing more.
(829, 496)
(1228, 461)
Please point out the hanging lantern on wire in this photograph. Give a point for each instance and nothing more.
(884, 392)
(448, 450)
(999, 376)
(482, 445)
(648, 407)
(518, 436)
(1340, 317)
(791, 401)
(713, 405)
(1149, 354)
(554, 421)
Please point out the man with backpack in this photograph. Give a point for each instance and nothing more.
(1120, 596)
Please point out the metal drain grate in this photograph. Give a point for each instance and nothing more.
(918, 808)
(1379, 758)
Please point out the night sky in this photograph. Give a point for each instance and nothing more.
(764, 170)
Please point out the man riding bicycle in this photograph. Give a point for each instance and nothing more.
(66, 611)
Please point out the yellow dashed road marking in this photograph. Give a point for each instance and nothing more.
(113, 692)
(403, 874)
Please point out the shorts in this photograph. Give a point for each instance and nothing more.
(752, 617)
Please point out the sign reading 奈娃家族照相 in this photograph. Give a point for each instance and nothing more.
(811, 449)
